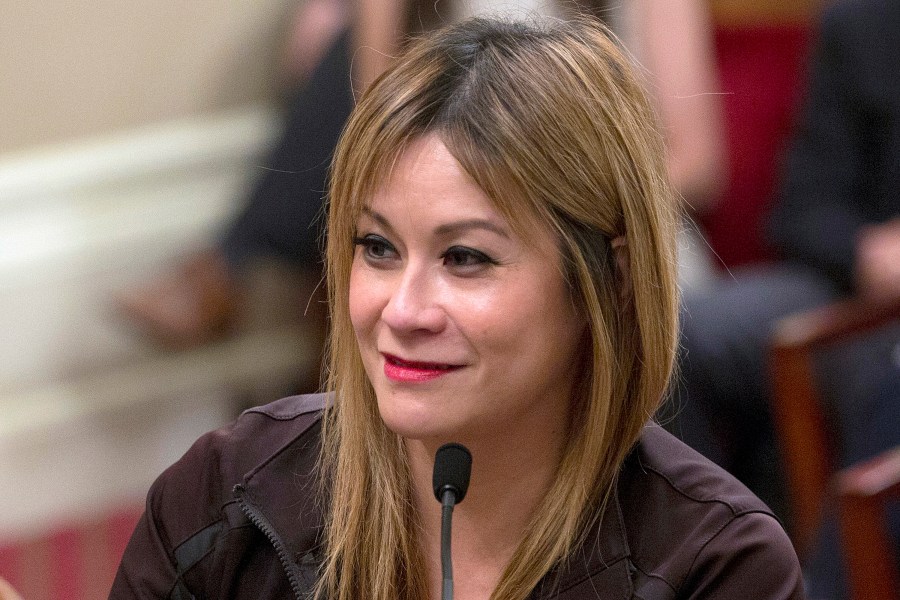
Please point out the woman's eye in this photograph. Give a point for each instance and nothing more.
(465, 257)
(375, 247)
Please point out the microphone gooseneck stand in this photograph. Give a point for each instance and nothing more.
(450, 480)
(447, 503)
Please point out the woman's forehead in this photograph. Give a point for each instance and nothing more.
(428, 164)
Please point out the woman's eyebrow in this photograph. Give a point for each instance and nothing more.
(466, 224)
(378, 218)
(446, 229)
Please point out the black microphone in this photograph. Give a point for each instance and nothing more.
(450, 480)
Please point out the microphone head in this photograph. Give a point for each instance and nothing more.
(452, 467)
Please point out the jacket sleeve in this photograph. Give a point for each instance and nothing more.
(751, 556)
(184, 500)
(148, 568)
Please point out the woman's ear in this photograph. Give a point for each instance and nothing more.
(622, 260)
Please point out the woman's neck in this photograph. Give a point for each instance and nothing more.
(509, 480)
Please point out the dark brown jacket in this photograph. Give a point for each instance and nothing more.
(236, 518)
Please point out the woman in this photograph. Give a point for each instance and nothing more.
(501, 274)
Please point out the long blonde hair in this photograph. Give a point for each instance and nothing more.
(551, 121)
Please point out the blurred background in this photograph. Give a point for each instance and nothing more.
(131, 135)
(128, 131)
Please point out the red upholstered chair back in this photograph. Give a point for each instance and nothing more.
(762, 71)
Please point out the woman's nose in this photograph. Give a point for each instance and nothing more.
(413, 303)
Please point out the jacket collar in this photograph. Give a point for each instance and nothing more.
(283, 488)
(599, 567)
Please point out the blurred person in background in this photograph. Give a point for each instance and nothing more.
(836, 223)
(202, 298)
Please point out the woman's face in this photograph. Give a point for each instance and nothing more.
(465, 328)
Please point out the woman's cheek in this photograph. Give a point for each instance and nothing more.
(361, 299)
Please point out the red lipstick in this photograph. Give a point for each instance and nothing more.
(400, 370)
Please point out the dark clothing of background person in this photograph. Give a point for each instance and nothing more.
(841, 176)
(238, 517)
(843, 171)
(283, 216)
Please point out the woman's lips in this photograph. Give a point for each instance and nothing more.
(398, 369)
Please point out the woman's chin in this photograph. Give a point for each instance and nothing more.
(417, 422)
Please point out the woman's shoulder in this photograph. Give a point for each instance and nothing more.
(696, 528)
(261, 463)
(662, 461)
(291, 407)
(251, 440)
(201, 483)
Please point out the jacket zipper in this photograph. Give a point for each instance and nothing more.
(262, 523)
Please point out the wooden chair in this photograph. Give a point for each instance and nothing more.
(863, 491)
(807, 446)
